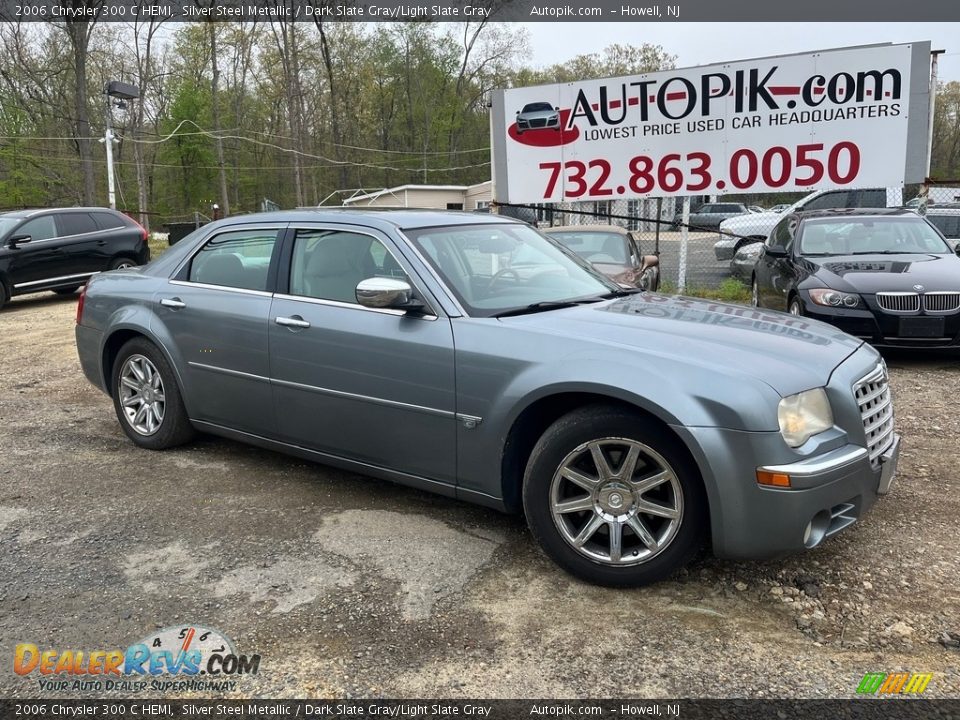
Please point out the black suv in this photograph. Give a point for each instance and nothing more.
(60, 249)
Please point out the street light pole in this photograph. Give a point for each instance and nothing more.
(108, 141)
(122, 92)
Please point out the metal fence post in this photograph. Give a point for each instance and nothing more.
(684, 236)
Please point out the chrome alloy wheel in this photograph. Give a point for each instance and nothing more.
(141, 395)
(125, 264)
(616, 501)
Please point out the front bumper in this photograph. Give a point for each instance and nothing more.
(725, 248)
(830, 491)
(882, 329)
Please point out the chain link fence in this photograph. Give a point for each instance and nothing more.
(717, 246)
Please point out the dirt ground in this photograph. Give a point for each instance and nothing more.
(348, 586)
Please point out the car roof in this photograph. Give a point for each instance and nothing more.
(854, 212)
(587, 228)
(400, 218)
(31, 212)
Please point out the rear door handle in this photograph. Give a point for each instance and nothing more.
(175, 303)
(294, 322)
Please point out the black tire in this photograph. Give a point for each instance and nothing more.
(570, 435)
(795, 306)
(120, 262)
(66, 291)
(174, 427)
(4, 294)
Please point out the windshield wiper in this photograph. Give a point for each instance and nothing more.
(621, 292)
(546, 305)
(887, 252)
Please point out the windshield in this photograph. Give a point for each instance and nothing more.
(537, 107)
(494, 268)
(7, 224)
(865, 236)
(596, 247)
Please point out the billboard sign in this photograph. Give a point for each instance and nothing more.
(852, 117)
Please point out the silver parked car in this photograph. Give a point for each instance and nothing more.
(474, 357)
(538, 116)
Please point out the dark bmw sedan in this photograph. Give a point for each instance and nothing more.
(474, 357)
(887, 276)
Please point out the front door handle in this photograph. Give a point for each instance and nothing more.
(293, 322)
(175, 303)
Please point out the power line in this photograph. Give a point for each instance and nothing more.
(66, 158)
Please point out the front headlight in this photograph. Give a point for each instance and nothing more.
(803, 415)
(834, 298)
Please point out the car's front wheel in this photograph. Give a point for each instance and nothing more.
(147, 399)
(613, 498)
(796, 306)
(755, 292)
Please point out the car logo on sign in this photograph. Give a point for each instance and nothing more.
(918, 288)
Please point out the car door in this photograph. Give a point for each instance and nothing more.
(82, 242)
(775, 273)
(33, 263)
(373, 385)
(215, 314)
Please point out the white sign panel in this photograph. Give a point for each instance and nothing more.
(854, 117)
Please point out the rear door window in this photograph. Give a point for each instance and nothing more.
(76, 223)
(829, 201)
(238, 259)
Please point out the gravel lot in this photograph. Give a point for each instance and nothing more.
(351, 586)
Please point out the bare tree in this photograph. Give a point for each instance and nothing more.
(79, 32)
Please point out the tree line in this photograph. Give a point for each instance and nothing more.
(235, 113)
(294, 113)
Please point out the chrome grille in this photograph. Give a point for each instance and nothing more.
(876, 410)
(899, 302)
(941, 302)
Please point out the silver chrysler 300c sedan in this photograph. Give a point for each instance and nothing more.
(474, 357)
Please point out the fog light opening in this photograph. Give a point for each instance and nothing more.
(816, 529)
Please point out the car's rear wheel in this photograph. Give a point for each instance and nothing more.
(613, 498)
(66, 291)
(146, 397)
(4, 294)
(121, 263)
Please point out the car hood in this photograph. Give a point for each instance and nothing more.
(869, 274)
(751, 222)
(786, 352)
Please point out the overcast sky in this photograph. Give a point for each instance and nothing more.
(705, 43)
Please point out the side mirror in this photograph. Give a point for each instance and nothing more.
(387, 293)
(774, 251)
(557, 109)
(15, 240)
(956, 249)
(518, 112)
